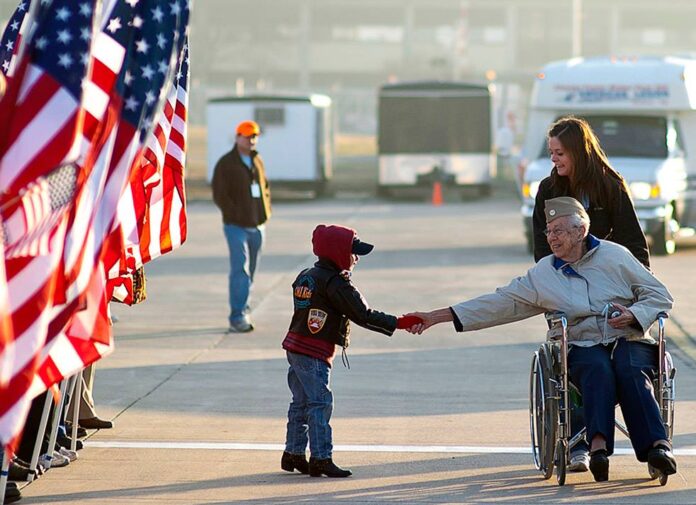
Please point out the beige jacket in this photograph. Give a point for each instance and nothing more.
(607, 273)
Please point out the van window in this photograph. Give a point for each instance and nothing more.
(628, 136)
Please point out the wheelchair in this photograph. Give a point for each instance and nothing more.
(551, 394)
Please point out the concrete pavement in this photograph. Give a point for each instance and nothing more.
(200, 414)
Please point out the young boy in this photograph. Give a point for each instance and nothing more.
(325, 301)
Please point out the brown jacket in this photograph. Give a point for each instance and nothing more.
(232, 183)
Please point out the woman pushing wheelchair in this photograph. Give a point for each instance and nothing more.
(610, 301)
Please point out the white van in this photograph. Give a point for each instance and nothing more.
(296, 136)
(644, 112)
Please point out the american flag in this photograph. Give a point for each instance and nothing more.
(12, 38)
(39, 122)
(130, 58)
(152, 210)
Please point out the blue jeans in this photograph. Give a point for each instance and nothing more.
(244, 245)
(620, 373)
(311, 406)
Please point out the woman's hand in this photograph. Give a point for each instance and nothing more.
(624, 319)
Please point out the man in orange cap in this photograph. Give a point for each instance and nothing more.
(241, 191)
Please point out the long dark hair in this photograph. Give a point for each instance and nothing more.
(592, 176)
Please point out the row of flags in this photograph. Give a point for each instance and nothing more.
(92, 155)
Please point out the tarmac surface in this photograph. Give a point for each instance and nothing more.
(439, 418)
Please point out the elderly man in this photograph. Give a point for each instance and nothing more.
(611, 359)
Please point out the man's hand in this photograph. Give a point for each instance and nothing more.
(624, 319)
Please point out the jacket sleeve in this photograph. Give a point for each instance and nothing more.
(514, 302)
(650, 296)
(626, 229)
(346, 298)
(541, 246)
(221, 192)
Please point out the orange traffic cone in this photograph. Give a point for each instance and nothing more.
(437, 193)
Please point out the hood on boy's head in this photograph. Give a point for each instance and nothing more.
(335, 243)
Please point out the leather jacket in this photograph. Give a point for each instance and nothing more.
(325, 301)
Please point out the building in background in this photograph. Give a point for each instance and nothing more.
(348, 48)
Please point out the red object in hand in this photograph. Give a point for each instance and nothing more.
(404, 322)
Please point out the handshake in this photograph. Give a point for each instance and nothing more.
(411, 323)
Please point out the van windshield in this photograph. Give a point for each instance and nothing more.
(628, 136)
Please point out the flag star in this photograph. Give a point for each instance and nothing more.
(85, 33)
(137, 21)
(15, 25)
(9, 45)
(148, 72)
(161, 41)
(150, 97)
(64, 60)
(6, 65)
(41, 42)
(85, 10)
(63, 14)
(176, 8)
(179, 75)
(64, 36)
(128, 78)
(84, 58)
(114, 25)
(131, 103)
(22, 7)
(142, 46)
(132, 3)
(163, 67)
(157, 14)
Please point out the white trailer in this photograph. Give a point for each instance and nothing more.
(296, 140)
(644, 112)
(435, 130)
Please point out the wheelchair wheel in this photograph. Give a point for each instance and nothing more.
(561, 460)
(669, 395)
(543, 413)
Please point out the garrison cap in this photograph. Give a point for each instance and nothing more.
(563, 206)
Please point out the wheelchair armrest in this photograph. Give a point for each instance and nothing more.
(663, 315)
(554, 317)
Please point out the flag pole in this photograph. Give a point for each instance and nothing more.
(56, 417)
(3, 473)
(39, 437)
(77, 399)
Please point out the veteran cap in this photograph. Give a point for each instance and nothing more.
(563, 206)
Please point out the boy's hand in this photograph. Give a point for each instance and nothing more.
(406, 322)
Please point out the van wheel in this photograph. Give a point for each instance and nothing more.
(663, 240)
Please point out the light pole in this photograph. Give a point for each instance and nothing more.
(577, 28)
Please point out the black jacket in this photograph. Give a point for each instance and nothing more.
(325, 301)
(232, 181)
(617, 223)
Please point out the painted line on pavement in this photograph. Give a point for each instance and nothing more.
(234, 446)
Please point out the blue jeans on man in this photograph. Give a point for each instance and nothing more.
(619, 372)
(244, 246)
(311, 406)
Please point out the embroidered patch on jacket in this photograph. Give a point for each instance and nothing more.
(316, 320)
(302, 292)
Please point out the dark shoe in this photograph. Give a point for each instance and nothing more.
(81, 432)
(662, 459)
(319, 467)
(599, 465)
(12, 493)
(94, 423)
(291, 462)
(18, 472)
(66, 442)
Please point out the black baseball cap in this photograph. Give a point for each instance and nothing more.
(361, 248)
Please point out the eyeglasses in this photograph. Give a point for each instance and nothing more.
(556, 232)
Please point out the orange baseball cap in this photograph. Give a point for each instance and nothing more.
(248, 128)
